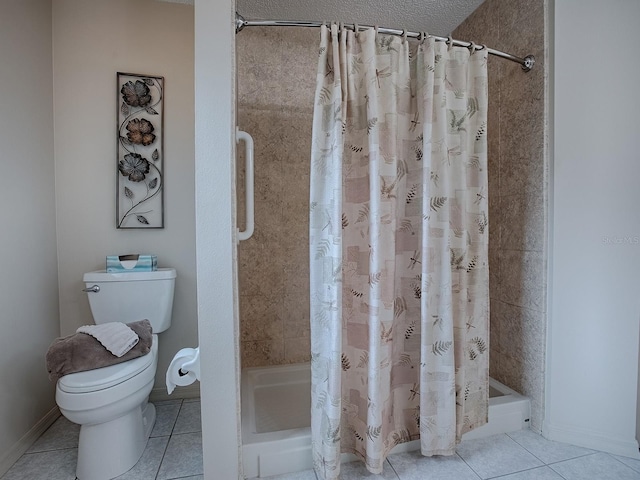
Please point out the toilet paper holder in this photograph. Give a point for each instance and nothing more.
(184, 369)
(192, 366)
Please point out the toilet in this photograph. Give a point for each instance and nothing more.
(111, 403)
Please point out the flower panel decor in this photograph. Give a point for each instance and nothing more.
(140, 184)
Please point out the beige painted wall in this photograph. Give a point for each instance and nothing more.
(518, 193)
(595, 235)
(28, 277)
(92, 41)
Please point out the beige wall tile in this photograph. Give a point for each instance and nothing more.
(522, 222)
(522, 279)
(297, 350)
(296, 268)
(300, 55)
(520, 331)
(521, 147)
(494, 271)
(495, 218)
(262, 353)
(494, 364)
(258, 273)
(296, 315)
(276, 107)
(495, 341)
(258, 63)
(511, 372)
(262, 316)
(533, 387)
(521, 25)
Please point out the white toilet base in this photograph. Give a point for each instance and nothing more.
(107, 450)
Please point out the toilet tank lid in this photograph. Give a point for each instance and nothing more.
(103, 276)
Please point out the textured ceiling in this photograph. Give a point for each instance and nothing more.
(439, 17)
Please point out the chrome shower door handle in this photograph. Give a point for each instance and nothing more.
(94, 289)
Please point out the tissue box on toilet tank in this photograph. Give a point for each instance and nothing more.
(132, 263)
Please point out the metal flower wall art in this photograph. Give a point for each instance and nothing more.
(140, 184)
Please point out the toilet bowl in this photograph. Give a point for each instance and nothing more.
(111, 403)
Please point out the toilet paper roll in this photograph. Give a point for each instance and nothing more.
(184, 369)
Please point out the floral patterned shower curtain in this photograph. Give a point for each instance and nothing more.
(398, 239)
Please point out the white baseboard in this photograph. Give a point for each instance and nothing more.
(590, 439)
(159, 394)
(21, 446)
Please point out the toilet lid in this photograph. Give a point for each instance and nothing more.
(105, 377)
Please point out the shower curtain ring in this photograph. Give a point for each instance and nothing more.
(472, 47)
(356, 29)
(449, 42)
(422, 37)
(404, 35)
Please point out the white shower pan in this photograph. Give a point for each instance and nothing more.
(276, 404)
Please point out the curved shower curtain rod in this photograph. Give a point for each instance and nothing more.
(526, 62)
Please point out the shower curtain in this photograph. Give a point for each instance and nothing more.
(398, 247)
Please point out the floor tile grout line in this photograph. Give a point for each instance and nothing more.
(470, 467)
(574, 458)
(557, 461)
(520, 471)
(184, 476)
(562, 443)
(620, 461)
(392, 467)
(557, 473)
(47, 451)
(25, 454)
(180, 434)
(164, 452)
(177, 415)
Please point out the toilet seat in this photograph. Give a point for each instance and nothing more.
(106, 377)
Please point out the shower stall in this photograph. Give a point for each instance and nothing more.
(276, 76)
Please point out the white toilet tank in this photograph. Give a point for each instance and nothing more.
(132, 296)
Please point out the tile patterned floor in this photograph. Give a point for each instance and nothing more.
(521, 455)
(174, 452)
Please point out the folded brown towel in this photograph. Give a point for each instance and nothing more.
(80, 352)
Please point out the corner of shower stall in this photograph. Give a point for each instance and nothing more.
(276, 419)
(276, 432)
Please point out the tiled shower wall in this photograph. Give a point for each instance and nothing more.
(517, 192)
(276, 75)
(276, 80)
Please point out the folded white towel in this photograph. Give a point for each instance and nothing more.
(114, 336)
